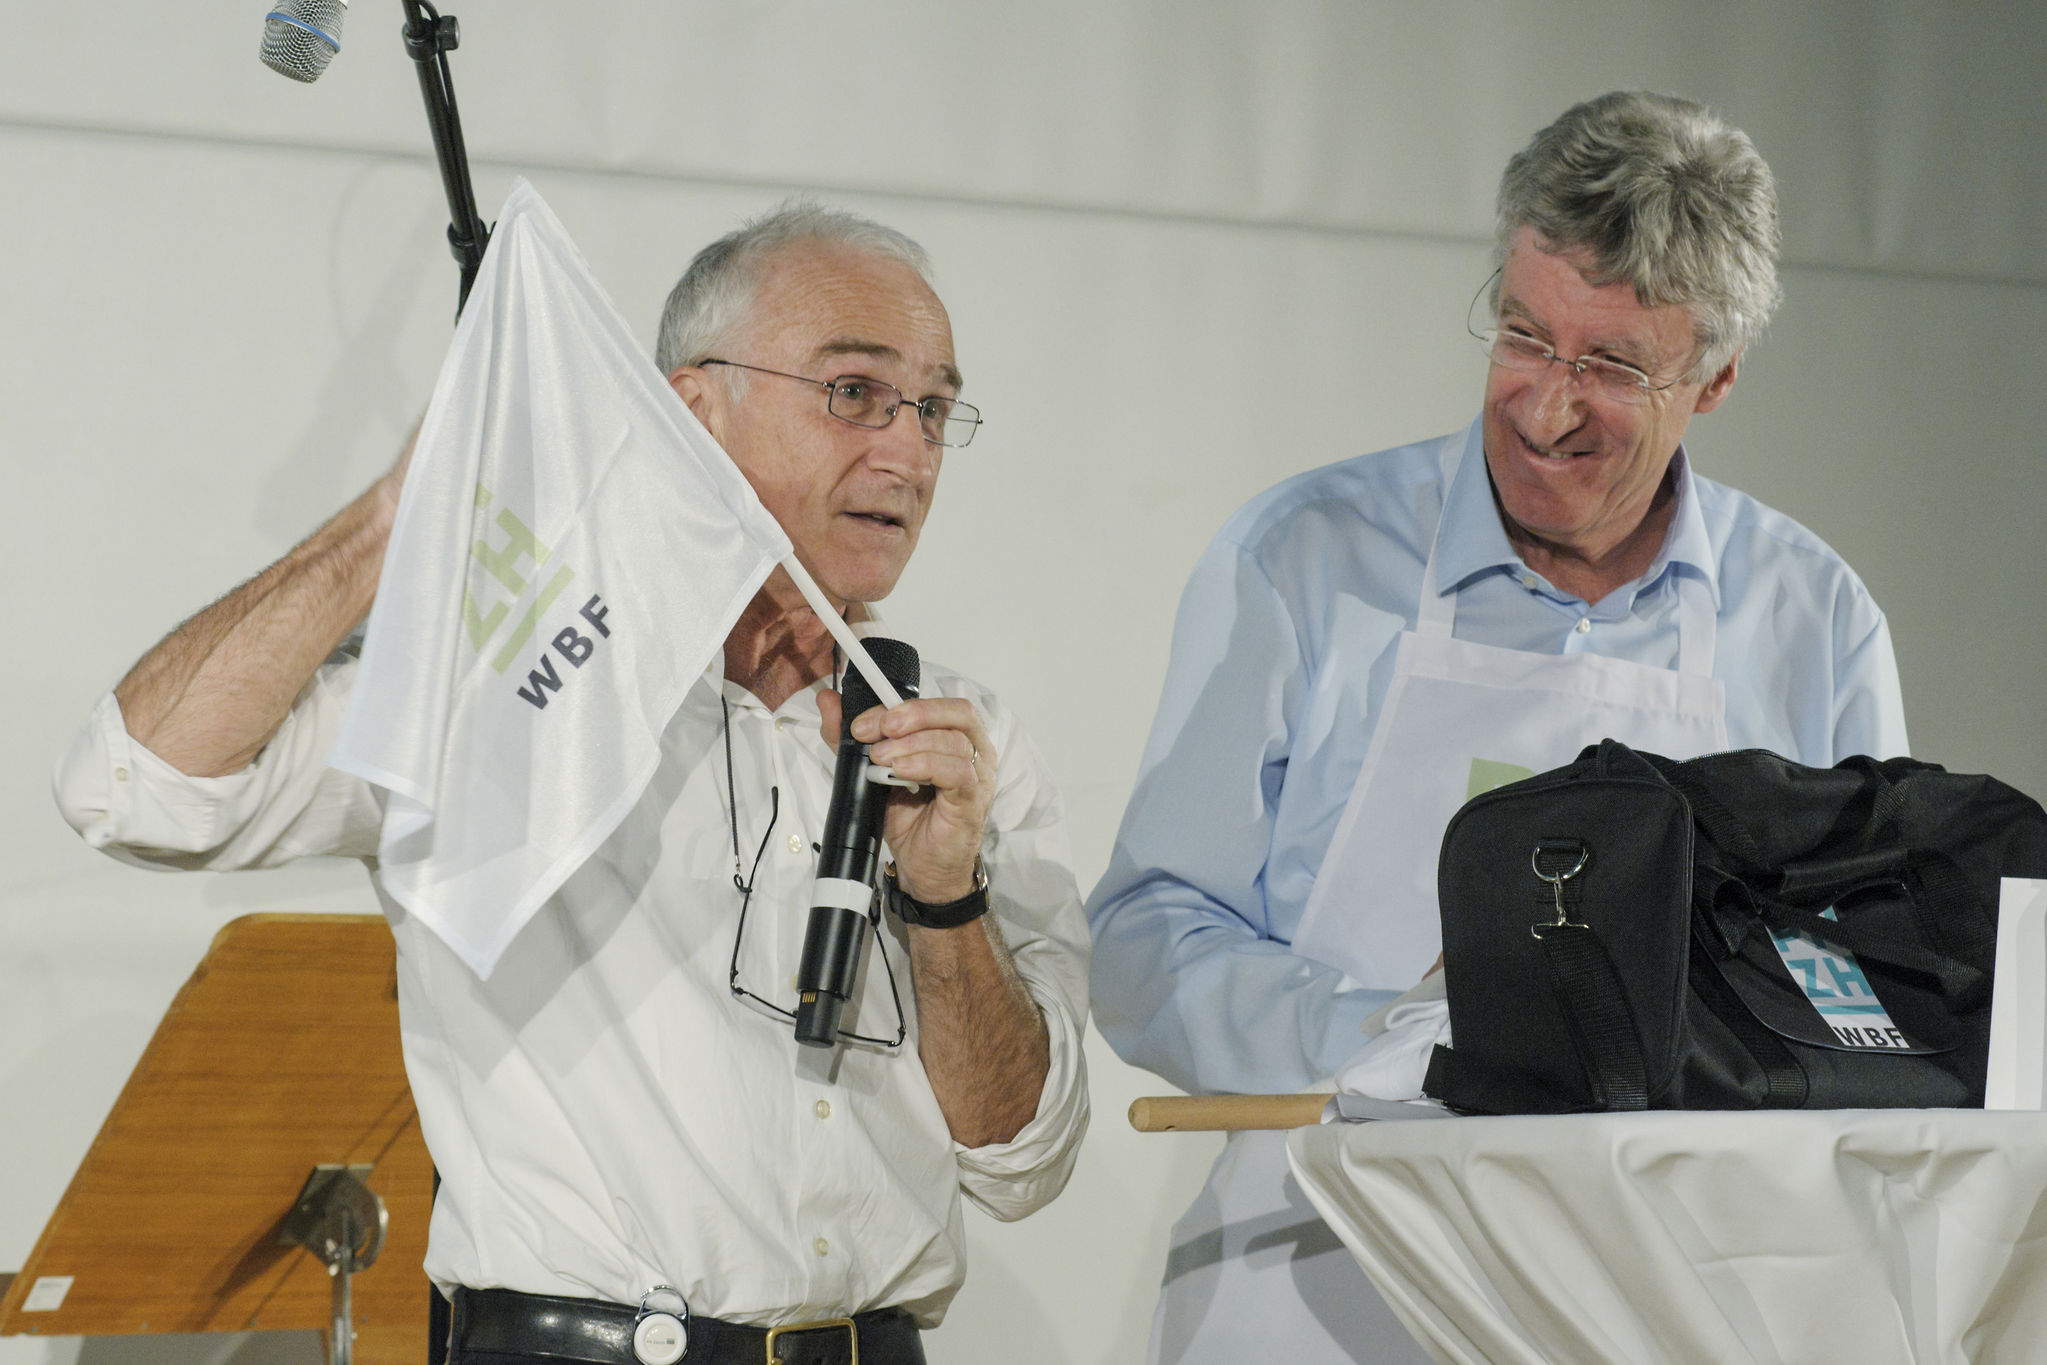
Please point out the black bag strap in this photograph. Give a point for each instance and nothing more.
(1475, 1087)
(1709, 811)
(1588, 990)
(1785, 1085)
(1887, 802)
(1952, 920)
(1959, 982)
(1939, 891)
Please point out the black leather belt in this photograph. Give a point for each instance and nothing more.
(504, 1322)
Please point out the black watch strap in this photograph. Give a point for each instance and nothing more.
(949, 915)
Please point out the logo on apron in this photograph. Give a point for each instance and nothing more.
(1487, 775)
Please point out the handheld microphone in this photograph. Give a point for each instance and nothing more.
(844, 889)
(301, 36)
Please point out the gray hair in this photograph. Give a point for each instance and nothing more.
(1666, 196)
(713, 298)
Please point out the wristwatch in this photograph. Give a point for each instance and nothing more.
(949, 915)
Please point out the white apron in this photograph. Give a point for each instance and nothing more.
(1254, 1262)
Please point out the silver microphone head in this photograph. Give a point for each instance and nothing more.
(301, 36)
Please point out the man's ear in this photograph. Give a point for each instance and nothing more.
(704, 397)
(1717, 387)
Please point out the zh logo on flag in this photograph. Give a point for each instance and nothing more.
(1835, 985)
(502, 563)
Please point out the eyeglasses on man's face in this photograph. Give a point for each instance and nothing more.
(869, 402)
(1512, 346)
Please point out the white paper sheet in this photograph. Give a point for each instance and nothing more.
(2018, 1003)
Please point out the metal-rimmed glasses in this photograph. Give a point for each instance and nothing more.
(866, 402)
(1515, 349)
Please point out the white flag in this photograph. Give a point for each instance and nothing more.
(570, 550)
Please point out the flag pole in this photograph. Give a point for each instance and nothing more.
(856, 653)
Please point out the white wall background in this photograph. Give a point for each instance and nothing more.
(1188, 247)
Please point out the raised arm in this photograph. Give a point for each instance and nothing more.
(210, 695)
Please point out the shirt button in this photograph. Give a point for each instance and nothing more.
(823, 1109)
(821, 1247)
(120, 774)
(1584, 625)
(796, 843)
(1528, 581)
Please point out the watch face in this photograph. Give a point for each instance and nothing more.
(660, 1339)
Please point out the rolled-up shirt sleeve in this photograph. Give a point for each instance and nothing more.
(287, 803)
(1037, 903)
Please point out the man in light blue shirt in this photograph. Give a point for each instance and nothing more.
(1361, 641)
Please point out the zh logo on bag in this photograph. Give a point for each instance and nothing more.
(1835, 985)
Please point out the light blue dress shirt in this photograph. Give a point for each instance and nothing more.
(1282, 653)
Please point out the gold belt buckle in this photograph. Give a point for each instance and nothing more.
(821, 1325)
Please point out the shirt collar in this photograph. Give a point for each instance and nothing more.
(1472, 540)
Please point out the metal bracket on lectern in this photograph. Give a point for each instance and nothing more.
(342, 1221)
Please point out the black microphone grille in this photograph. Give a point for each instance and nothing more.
(301, 36)
(898, 664)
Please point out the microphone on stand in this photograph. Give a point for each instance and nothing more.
(844, 889)
(301, 36)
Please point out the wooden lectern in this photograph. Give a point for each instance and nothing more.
(280, 1055)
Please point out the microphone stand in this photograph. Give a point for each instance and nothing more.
(429, 38)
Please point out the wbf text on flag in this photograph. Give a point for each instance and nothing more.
(572, 645)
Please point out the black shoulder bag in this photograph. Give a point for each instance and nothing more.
(1734, 932)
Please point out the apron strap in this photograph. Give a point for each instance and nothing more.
(1697, 626)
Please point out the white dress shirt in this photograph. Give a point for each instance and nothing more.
(605, 1115)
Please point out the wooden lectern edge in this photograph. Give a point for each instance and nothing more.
(286, 917)
(255, 917)
(378, 1311)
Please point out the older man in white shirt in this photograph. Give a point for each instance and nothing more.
(620, 1115)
